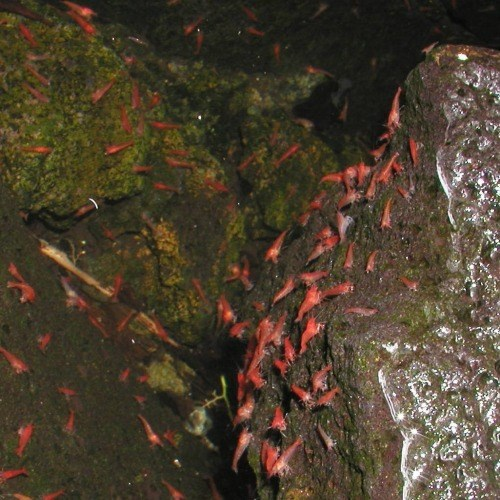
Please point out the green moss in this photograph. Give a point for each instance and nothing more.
(281, 193)
(78, 131)
(208, 167)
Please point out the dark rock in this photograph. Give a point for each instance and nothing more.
(480, 17)
(417, 403)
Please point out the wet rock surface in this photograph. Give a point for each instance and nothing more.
(416, 405)
(452, 396)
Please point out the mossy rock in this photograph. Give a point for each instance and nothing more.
(64, 118)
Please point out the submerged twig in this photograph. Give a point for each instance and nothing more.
(60, 258)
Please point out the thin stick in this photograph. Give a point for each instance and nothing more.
(62, 259)
(59, 257)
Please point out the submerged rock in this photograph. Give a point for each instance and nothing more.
(409, 350)
(141, 160)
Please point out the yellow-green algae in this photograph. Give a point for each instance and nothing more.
(170, 375)
(167, 273)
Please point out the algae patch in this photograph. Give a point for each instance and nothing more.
(170, 375)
